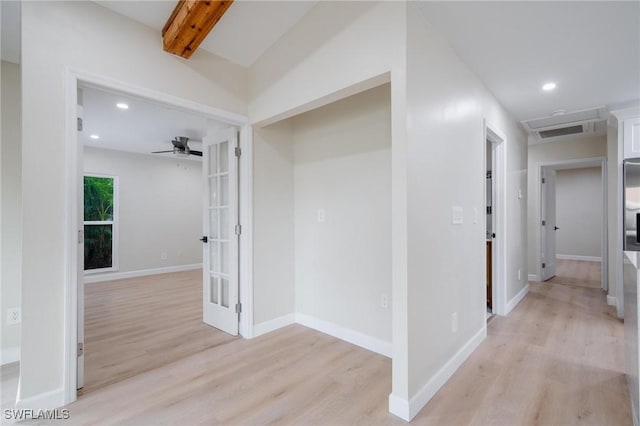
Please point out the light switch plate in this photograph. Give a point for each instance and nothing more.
(457, 215)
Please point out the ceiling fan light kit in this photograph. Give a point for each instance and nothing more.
(181, 148)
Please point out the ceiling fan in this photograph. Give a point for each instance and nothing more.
(180, 147)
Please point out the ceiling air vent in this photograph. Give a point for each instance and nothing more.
(564, 125)
(562, 131)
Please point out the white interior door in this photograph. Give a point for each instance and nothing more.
(220, 230)
(80, 271)
(549, 227)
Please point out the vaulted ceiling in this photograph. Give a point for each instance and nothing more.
(243, 34)
(591, 50)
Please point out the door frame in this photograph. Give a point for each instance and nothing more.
(74, 168)
(498, 140)
(577, 163)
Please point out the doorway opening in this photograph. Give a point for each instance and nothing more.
(222, 133)
(490, 235)
(572, 223)
(495, 227)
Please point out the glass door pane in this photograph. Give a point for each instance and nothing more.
(219, 222)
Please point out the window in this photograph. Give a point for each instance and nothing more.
(100, 223)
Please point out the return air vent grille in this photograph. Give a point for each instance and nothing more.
(563, 131)
(571, 117)
(566, 125)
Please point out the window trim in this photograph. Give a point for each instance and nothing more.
(115, 223)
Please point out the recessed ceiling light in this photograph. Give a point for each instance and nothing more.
(94, 137)
(122, 105)
(548, 86)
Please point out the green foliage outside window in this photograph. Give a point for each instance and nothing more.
(98, 198)
(98, 207)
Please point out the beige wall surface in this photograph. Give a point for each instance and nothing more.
(579, 212)
(343, 171)
(273, 225)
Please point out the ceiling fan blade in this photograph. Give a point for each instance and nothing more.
(160, 152)
(196, 153)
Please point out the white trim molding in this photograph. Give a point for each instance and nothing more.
(407, 410)
(498, 141)
(534, 277)
(573, 164)
(43, 401)
(355, 337)
(96, 278)
(9, 355)
(272, 325)
(612, 300)
(517, 298)
(576, 257)
(74, 79)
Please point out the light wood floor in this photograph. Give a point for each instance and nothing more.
(557, 359)
(140, 324)
(578, 273)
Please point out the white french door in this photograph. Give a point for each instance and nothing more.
(549, 224)
(220, 231)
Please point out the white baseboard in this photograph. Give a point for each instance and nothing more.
(534, 277)
(359, 339)
(44, 401)
(517, 299)
(407, 410)
(612, 301)
(140, 273)
(576, 257)
(274, 324)
(399, 407)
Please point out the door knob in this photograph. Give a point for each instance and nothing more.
(555, 228)
(204, 239)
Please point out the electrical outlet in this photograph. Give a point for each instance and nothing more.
(384, 300)
(321, 215)
(519, 274)
(14, 316)
(163, 255)
(454, 322)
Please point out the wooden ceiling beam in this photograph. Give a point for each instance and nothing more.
(190, 23)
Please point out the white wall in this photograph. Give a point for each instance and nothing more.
(588, 147)
(57, 36)
(614, 181)
(273, 222)
(579, 212)
(343, 167)
(160, 207)
(11, 209)
(434, 269)
(348, 47)
(340, 44)
(447, 107)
